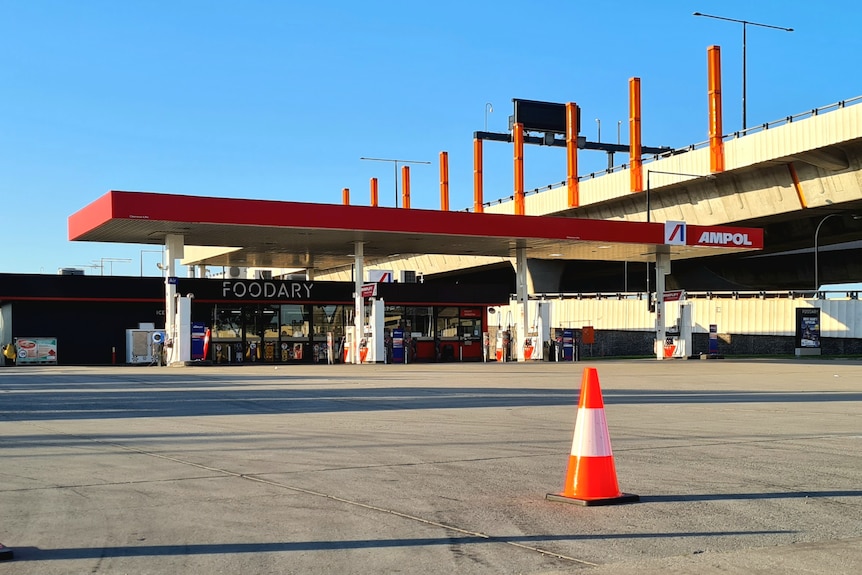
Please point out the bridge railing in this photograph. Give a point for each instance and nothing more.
(696, 146)
(712, 294)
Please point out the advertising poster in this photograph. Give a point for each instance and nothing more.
(568, 344)
(398, 345)
(713, 339)
(36, 350)
(808, 327)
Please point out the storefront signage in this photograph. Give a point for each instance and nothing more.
(724, 239)
(266, 290)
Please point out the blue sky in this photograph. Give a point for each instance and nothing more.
(279, 100)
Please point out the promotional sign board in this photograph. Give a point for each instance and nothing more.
(369, 290)
(808, 328)
(398, 345)
(36, 350)
(713, 339)
(568, 344)
(199, 330)
(674, 295)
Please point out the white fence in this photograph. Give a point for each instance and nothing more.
(757, 313)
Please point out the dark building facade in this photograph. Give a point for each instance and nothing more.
(275, 321)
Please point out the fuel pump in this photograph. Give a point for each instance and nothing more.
(677, 341)
(374, 341)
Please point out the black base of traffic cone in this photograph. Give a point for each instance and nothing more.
(5, 553)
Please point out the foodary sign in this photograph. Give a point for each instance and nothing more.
(266, 290)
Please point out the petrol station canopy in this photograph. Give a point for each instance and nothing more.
(279, 234)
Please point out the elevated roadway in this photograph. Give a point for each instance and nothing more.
(784, 176)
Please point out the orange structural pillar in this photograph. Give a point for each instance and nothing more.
(716, 143)
(345, 196)
(636, 171)
(572, 122)
(518, 132)
(444, 181)
(405, 186)
(373, 192)
(478, 192)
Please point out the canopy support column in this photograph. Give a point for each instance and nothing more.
(358, 301)
(522, 296)
(174, 248)
(662, 268)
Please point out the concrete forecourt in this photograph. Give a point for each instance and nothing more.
(741, 466)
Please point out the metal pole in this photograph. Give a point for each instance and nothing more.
(816, 263)
(396, 169)
(744, 23)
(647, 196)
(744, 76)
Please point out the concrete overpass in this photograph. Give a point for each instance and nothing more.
(784, 176)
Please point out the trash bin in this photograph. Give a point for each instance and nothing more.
(448, 352)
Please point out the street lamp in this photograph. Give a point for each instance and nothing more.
(151, 252)
(489, 108)
(816, 246)
(650, 172)
(744, 24)
(396, 170)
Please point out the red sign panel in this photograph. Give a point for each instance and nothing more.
(369, 290)
(471, 312)
(674, 295)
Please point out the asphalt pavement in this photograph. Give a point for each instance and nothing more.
(741, 466)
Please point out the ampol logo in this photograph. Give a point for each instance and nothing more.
(724, 239)
(674, 233)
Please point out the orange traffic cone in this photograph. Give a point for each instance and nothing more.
(591, 477)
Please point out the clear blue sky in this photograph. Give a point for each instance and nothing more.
(280, 99)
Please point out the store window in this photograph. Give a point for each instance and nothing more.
(294, 328)
(329, 322)
(418, 321)
(227, 336)
(448, 322)
(394, 317)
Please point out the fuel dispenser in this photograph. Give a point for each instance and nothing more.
(677, 342)
(536, 343)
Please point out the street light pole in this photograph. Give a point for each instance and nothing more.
(744, 23)
(816, 246)
(396, 169)
(489, 108)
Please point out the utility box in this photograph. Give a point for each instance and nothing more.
(139, 346)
